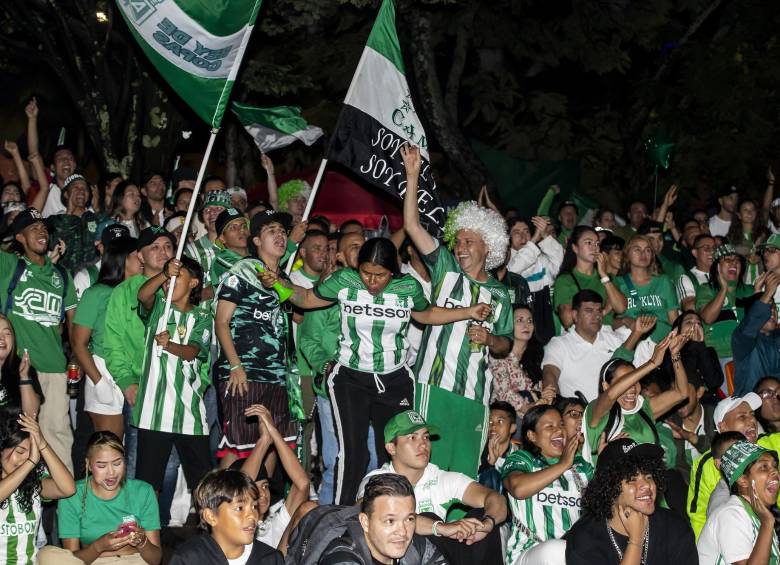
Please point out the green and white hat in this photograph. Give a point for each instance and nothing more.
(737, 458)
(724, 251)
(406, 423)
(772, 241)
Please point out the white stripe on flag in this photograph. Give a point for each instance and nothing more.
(268, 139)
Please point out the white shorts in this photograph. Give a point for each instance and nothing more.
(105, 397)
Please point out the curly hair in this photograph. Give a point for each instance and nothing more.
(602, 492)
(487, 223)
(11, 435)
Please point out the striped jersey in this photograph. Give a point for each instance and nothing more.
(549, 513)
(203, 251)
(373, 327)
(170, 392)
(18, 531)
(446, 358)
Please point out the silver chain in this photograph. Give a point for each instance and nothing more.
(645, 544)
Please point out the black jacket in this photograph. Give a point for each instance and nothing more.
(203, 550)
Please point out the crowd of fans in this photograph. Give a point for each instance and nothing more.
(528, 390)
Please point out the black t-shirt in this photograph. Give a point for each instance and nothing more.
(671, 541)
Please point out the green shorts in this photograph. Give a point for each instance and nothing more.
(463, 428)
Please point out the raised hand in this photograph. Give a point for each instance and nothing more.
(761, 510)
(570, 450)
(671, 195)
(24, 365)
(678, 341)
(267, 164)
(770, 175)
(162, 339)
(11, 147)
(601, 264)
(172, 268)
(412, 160)
(660, 350)
(31, 110)
(643, 324)
(635, 523)
(298, 232)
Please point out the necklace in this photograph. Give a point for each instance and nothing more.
(645, 543)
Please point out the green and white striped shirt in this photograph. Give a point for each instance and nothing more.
(549, 513)
(373, 328)
(18, 531)
(170, 394)
(203, 251)
(445, 358)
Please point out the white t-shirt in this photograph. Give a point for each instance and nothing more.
(720, 496)
(299, 277)
(718, 226)
(271, 530)
(414, 335)
(436, 490)
(684, 286)
(729, 533)
(243, 558)
(53, 205)
(580, 361)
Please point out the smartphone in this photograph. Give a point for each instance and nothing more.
(128, 526)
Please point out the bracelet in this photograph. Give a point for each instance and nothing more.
(143, 544)
(234, 367)
(25, 382)
(676, 358)
(488, 517)
(434, 526)
(33, 462)
(605, 279)
(629, 542)
(44, 448)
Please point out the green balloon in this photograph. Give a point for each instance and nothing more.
(659, 149)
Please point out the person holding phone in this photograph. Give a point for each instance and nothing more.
(109, 516)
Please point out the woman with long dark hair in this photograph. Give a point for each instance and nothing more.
(19, 386)
(746, 233)
(584, 266)
(24, 454)
(103, 400)
(126, 207)
(369, 380)
(544, 481)
(517, 377)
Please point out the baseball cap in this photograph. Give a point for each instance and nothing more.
(723, 251)
(107, 233)
(729, 403)
(73, 178)
(772, 241)
(225, 217)
(216, 198)
(152, 234)
(175, 221)
(268, 217)
(24, 219)
(613, 242)
(406, 423)
(737, 458)
(237, 190)
(617, 450)
(569, 203)
(728, 191)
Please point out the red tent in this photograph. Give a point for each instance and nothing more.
(340, 199)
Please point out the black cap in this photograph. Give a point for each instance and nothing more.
(268, 217)
(728, 190)
(262, 473)
(225, 217)
(183, 173)
(152, 234)
(24, 219)
(612, 242)
(617, 450)
(112, 232)
(569, 203)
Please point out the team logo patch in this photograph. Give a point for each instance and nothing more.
(56, 280)
(91, 226)
(206, 336)
(232, 281)
(414, 417)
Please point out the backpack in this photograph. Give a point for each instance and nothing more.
(315, 531)
(19, 271)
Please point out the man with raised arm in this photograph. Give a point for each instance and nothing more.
(453, 378)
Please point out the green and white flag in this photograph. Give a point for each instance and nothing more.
(196, 45)
(378, 117)
(274, 128)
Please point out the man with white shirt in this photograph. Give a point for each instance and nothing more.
(702, 250)
(63, 165)
(721, 222)
(572, 361)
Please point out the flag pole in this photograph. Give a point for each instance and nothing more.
(310, 203)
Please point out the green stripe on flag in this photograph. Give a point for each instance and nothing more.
(383, 38)
(220, 17)
(273, 128)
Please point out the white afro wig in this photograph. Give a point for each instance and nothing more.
(488, 223)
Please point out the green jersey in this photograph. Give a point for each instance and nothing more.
(718, 334)
(203, 251)
(37, 309)
(373, 327)
(549, 513)
(91, 313)
(638, 423)
(656, 298)
(446, 358)
(222, 263)
(78, 233)
(170, 394)
(18, 530)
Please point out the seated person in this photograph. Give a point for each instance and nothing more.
(110, 516)
(621, 523)
(226, 501)
(741, 531)
(384, 531)
(275, 522)
(721, 493)
(473, 539)
(502, 426)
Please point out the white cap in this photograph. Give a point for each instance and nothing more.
(775, 203)
(237, 190)
(729, 403)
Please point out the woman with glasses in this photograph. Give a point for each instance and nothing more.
(768, 415)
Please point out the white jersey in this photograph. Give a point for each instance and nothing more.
(18, 532)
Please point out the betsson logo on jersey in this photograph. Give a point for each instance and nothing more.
(376, 311)
(557, 497)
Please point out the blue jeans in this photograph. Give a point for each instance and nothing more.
(330, 450)
(131, 440)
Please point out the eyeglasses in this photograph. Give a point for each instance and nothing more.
(769, 393)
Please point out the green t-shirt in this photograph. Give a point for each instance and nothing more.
(445, 358)
(549, 513)
(566, 287)
(656, 298)
(91, 313)
(37, 307)
(373, 328)
(633, 424)
(87, 520)
(718, 333)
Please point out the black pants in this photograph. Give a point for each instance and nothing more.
(154, 449)
(357, 399)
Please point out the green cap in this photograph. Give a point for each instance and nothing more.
(406, 423)
(724, 251)
(772, 241)
(217, 198)
(736, 459)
